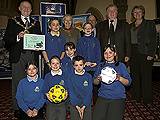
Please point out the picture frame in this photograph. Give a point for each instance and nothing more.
(34, 42)
(47, 8)
(79, 20)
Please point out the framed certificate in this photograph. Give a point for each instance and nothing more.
(34, 42)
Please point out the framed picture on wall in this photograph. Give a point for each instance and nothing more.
(79, 20)
(47, 8)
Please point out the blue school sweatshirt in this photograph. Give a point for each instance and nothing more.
(50, 81)
(54, 45)
(116, 90)
(89, 48)
(29, 94)
(80, 89)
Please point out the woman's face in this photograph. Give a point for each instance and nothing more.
(109, 55)
(138, 14)
(68, 22)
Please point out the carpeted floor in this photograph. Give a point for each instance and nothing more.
(134, 110)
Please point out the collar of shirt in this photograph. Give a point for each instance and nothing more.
(114, 23)
(59, 73)
(23, 19)
(55, 33)
(79, 73)
(110, 61)
(30, 79)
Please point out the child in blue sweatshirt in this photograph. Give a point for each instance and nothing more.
(80, 90)
(55, 77)
(110, 104)
(70, 52)
(88, 47)
(54, 43)
(29, 94)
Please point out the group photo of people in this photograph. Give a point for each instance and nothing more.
(86, 73)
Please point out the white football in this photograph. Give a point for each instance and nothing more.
(108, 75)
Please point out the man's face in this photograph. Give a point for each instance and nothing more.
(54, 26)
(25, 8)
(112, 13)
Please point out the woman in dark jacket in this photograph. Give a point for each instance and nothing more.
(143, 46)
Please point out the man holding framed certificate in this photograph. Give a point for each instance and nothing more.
(16, 29)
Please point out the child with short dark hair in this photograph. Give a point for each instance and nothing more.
(80, 90)
(56, 76)
(110, 104)
(70, 52)
(29, 94)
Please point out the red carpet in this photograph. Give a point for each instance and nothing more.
(134, 110)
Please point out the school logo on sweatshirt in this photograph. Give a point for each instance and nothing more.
(37, 89)
(62, 82)
(85, 83)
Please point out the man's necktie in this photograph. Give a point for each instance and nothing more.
(26, 23)
(111, 33)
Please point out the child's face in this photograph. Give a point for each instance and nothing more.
(88, 29)
(70, 52)
(79, 66)
(32, 70)
(55, 64)
(109, 55)
(54, 26)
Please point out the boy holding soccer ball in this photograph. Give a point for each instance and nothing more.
(55, 80)
(110, 104)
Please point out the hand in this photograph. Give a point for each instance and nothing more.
(99, 78)
(21, 34)
(82, 112)
(88, 63)
(118, 77)
(37, 49)
(126, 59)
(66, 95)
(149, 58)
(48, 97)
(29, 113)
(79, 111)
(34, 113)
(93, 64)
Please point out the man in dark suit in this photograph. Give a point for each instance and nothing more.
(119, 35)
(16, 28)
